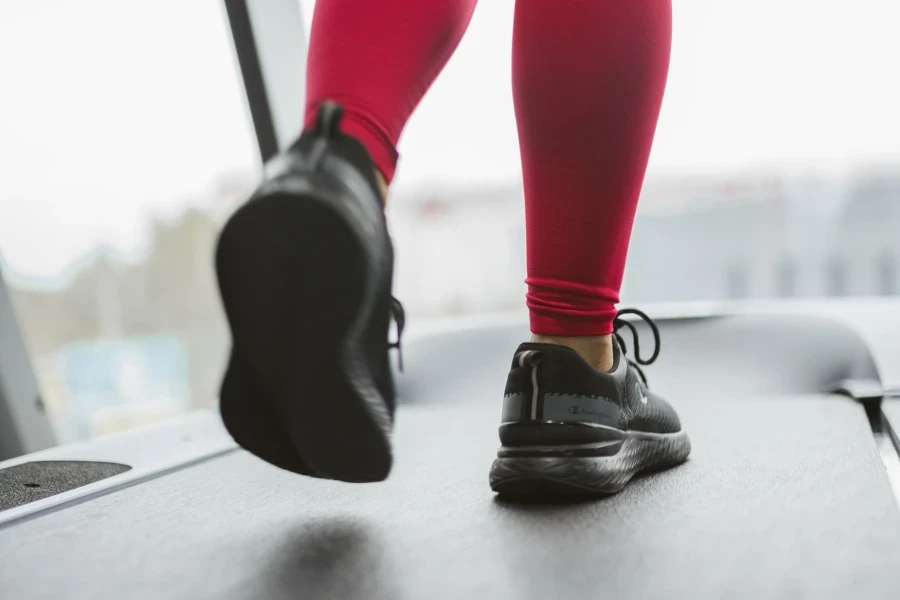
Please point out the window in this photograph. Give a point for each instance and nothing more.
(125, 142)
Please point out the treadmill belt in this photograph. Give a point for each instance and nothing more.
(782, 498)
(785, 496)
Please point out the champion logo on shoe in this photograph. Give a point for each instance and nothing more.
(579, 410)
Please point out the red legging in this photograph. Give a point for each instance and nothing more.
(588, 82)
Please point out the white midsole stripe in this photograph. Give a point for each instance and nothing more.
(589, 446)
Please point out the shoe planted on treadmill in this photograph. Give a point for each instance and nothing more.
(568, 428)
(305, 271)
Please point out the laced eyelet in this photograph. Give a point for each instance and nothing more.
(619, 323)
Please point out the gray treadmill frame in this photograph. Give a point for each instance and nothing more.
(270, 44)
(24, 424)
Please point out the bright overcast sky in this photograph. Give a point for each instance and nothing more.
(112, 110)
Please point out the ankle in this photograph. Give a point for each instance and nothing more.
(595, 349)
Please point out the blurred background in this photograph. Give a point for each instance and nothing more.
(125, 142)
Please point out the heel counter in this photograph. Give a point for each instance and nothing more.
(556, 384)
(522, 394)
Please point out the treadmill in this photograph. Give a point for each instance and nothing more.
(791, 490)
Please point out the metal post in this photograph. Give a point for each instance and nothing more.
(887, 273)
(24, 425)
(836, 273)
(270, 42)
(786, 278)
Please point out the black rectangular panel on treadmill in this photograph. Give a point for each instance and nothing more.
(36, 480)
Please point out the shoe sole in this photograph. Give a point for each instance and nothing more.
(257, 430)
(588, 475)
(296, 281)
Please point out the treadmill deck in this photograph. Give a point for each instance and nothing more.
(784, 496)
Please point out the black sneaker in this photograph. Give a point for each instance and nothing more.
(568, 428)
(305, 271)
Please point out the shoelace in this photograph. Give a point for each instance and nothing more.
(398, 313)
(619, 323)
(399, 316)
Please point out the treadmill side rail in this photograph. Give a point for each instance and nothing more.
(148, 451)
